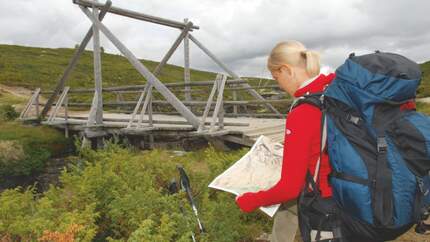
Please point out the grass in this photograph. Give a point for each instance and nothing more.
(423, 107)
(10, 99)
(424, 89)
(33, 67)
(37, 144)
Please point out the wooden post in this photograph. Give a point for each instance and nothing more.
(162, 89)
(93, 111)
(66, 116)
(97, 71)
(231, 73)
(58, 104)
(37, 105)
(30, 103)
(136, 108)
(73, 62)
(187, 74)
(144, 108)
(222, 110)
(151, 122)
(218, 102)
(119, 98)
(234, 99)
(209, 104)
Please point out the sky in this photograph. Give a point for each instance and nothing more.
(240, 33)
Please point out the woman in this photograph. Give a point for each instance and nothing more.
(297, 71)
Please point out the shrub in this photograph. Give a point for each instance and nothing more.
(25, 149)
(124, 194)
(25, 218)
(8, 113)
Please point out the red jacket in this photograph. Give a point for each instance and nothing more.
(301, 152)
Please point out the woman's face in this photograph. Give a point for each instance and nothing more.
(284, 76)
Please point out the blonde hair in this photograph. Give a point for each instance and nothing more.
(294, 53)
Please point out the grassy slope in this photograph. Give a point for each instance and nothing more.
(10, 99)
(33, 67)
(424, 90)
(41, 67)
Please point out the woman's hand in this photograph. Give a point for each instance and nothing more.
(247, 202)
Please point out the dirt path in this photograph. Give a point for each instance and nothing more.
(16, 91)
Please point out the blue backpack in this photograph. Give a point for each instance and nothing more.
(380, 154)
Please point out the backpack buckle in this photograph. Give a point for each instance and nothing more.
(353, 119)
(381, 145)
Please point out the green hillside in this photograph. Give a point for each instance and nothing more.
(41, 67)
(33, 67)
(424, 90)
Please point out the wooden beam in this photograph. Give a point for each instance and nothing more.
(34, 98)
(144, 107)
(155, 121)
(218, 105)
(140, 87)
(192, 103)
(162, 89)
(231, 73)
(208, 105)
(66, 116)
(172, 49)
(135, 15)
(136, 108)
(58, 104)
(187, 73)
(61, 82)
(157, 71)
(97, 70)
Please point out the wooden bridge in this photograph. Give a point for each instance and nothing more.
(155, 110)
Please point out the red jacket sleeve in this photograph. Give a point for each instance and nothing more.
(301, 134)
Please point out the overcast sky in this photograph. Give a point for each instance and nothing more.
(240, 32)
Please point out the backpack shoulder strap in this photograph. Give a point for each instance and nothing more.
(313, 99)
(316, 100)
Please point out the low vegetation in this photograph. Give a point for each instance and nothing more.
(32, 67)
(118, 194)
(423, 107)
(424, 89)
(25, 149)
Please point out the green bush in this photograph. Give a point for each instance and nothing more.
(24, 217)
(25, 149)
(8, 113)
(125, 193)
(424, 89)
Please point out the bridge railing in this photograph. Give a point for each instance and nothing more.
(143, 107)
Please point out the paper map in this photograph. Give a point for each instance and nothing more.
(259, 169)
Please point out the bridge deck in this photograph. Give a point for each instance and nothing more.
(243, 130)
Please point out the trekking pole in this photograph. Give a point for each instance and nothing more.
(185, 185)
(173, 189)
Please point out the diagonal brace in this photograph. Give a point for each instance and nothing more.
(73, 62)
(161, 88)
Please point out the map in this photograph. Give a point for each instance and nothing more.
(259, 169)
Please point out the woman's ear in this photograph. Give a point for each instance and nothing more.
(286, 69)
